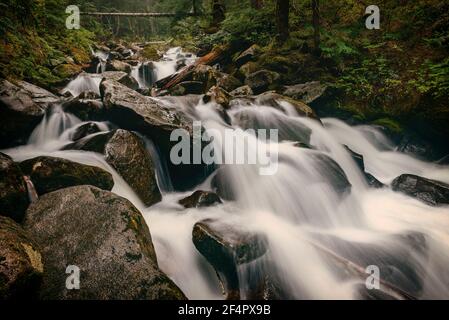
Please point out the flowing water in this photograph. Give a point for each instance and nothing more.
(298, 209)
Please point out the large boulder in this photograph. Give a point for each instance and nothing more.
(117, 65)
(121, 77)
(429, 191)
(135, 112)
(13, 191)
(126, 153)
(22, 107)
(225, 248)
(261, 80)
(104, 236)
(228, 82)
(200, 199)
(84, 109)
(49, 174)
(306, 92)
(85, 130)
(21, 265)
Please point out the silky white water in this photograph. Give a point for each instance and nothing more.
(298, 209)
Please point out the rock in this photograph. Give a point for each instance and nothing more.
(117, 65)
(21, 265)
(248, 68)
(126, 153)
(200, 199)
(429, 191)
(228, 82)
(306, 92)
(50, 174)
(225, 247)
(187, 87)
(103, 235)
(22, 107)
(247, 55)
(85, 130)
(114, 55)
(219, 96)
(89, 95)
(67, 70)
(84, 109)
(207, 75)
(357, 157)
(333, 173)
(242, 91)
(372, 181)
(275, 100)
(121, 77)
(134, 112)
(13, 192)
(261, 80)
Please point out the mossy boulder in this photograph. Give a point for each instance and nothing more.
(103, 235)
(13, 191)
(50, 174)
(262, 80)
(21, 266)
(117, 65)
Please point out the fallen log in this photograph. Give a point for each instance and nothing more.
(211, 58)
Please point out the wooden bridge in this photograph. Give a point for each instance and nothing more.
(138, 14)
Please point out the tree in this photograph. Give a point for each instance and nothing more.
(316, 25)
(256, 4)
(218, 13)
(282, 12)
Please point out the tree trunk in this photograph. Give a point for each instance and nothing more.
(316, 25)
(256, 4)
(218, 13)
(282, 11)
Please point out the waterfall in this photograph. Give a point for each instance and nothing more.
(298, 209)
(84, 82)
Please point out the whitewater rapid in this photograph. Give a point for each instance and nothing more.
(297, 208)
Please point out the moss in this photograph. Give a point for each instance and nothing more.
(67, 70)
(389, 123)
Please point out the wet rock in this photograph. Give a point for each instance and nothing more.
(208, 75)
(200, 199)
(22, 107)
(261, 80)
(228, 82)
(372, 181)
(242, 91)
(117, 65)
(187, 87)
(332, 173)
(429, 191)
(132, 111)
(21, 265)
(89, 95)
(49, 174)
(103, 235)
(275, 100)
(13, 191)
(219, 96)
(126, 153)
(306, 92)
(85, 130)
(225, 247)
(84, 109)
(357, 157)
(121, 77)
(247, 55)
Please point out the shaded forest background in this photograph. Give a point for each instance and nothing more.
(397, 76)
